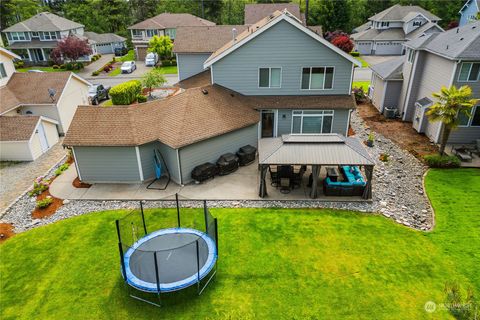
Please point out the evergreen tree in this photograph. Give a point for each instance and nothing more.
(14, 11)
(332, 15)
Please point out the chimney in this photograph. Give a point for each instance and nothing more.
(234, 35)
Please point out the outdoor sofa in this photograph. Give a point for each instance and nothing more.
(353, 186)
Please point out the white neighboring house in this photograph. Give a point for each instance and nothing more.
(35, 108)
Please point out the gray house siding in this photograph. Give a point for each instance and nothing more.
(392, 93)
(378, 93)
(340, 121)
(210, 150)
(107, 164)
(190, 64)
(407, 74)
(465, 135)
(169, 154)
(285, 46)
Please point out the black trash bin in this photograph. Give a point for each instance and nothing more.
(204, 172)
(246, 155)
(227, 164)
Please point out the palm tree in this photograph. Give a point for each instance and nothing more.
(450, 103)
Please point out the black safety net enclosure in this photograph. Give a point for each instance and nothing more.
(167, 250)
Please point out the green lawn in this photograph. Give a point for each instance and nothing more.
(363, 84)
(365, 64)
(115, 72)
(130, 56)
(273, 264)
(168, 69)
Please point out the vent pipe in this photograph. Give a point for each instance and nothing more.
(234, 35)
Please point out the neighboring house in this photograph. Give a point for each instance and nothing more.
(432, 61)
(106, 42)
(53, 95)
(386, 32)
(25, 138)
(254, 12)
(469, 12)
(35, 38)
(257, 88)
(386, 83)
(7, 68)
(160, 25)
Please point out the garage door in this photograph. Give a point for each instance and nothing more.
(364, 47)
(141, 53)
(104, 48)
(388, 48)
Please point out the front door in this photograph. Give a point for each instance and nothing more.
(268, 124)
(37, 54)
(43, 137)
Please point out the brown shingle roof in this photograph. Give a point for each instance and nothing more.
(172, 20)
(203, 39)
(32, 88)
(256, 12)
(17, 128)
(177, 121)
(302, 102)
(199, 80)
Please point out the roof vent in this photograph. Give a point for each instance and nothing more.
(271, 16)
(51, 93)
(234, 35)
(473, 27)
(461, 39)
(447, 46)
(458, 29)
(204, 91)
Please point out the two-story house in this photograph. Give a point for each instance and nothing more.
(35, 38)
(432, 61)
(469, 12)
(164, 24)
(255, 87)
(385, 32)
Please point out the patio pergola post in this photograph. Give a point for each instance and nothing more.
(315, 174)
(262, 192)
(367, 193)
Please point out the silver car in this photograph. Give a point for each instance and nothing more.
(128, 67)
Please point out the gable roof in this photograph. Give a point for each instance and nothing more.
(172, 20)
(25, 88)
(254, 12)
(390, 70)
(19, 128)
(103, 37)
(9, 53)
(399, 12)
(424, 28)
(457, 43)
(393, 34)
(266, 23)
(44, 21)
(467, 3)
(362, 27)
(176, 121)
(205, 39)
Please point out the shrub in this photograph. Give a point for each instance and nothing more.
(113, 60)
(62, 168)
(55, 66)
(442, 161)
(94, 58)
(355, 54)
(344, 43)
(141, 98)
(166, 63)
(50, 63)
(384, 157)
(39, 185)
(107, 68)
(359, 94)
(95, 73)
(174, 62)
(125, 93)
(42, 204)
(19, 64)
(69, 66)
(62, 66)
(79, 66)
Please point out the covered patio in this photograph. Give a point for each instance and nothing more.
(288, 157)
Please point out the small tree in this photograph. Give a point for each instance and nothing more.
(70, 48)
(161, 45)
(452, 24)
(344, 43)
(450, 103)
(153, 79)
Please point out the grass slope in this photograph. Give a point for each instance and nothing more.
(273, 264)
(362, 84)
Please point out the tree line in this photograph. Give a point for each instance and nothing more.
(116, 15)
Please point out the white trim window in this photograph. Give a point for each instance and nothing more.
(136, 33)
(469, 72)
(411, 55)
(3, 73)
(312, 121)
(17, 36)
(317, 78)
(473, 121)
(49, 35)
(269, 77)
(151, 32)
(171, 33)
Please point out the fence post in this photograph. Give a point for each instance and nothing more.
(143, 218)
(216, 234)
(198, 268)
(205, 215)
(178, 209)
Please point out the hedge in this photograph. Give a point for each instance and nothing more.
(125, 93)
(438, 161)
(355, 54)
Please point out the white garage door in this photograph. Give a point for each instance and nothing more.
(364, 47)
(388, 48)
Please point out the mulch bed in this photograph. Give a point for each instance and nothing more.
(79, 184)
(6, 231)
(400, 132)
(48, 211)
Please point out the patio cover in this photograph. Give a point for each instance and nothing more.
(315, 150)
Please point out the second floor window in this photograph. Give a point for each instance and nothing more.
(151, 33)
(469, 71)
(17, 36)
(269, 77)
(136, 33)
(50, 35)
(3, 73)
(473, 121)
(317, 78)
(385, 24)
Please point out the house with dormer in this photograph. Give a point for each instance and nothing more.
(387, 31)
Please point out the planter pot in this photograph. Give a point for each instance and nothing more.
(370, 143)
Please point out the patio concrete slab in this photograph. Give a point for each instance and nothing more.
(240, 185)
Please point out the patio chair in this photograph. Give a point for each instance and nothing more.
(285, 185)
(463, 153)
(274, 181)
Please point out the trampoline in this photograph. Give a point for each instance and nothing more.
(170, 258)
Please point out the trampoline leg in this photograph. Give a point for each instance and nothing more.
(147, 301)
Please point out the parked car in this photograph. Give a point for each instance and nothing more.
(35, 70)
(121, 51)
(128, 67)
(151, 59)
(97, 93)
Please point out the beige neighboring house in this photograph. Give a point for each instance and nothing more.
(6, 65)
(35, 108)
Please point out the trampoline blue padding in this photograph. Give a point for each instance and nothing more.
(184, 256)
